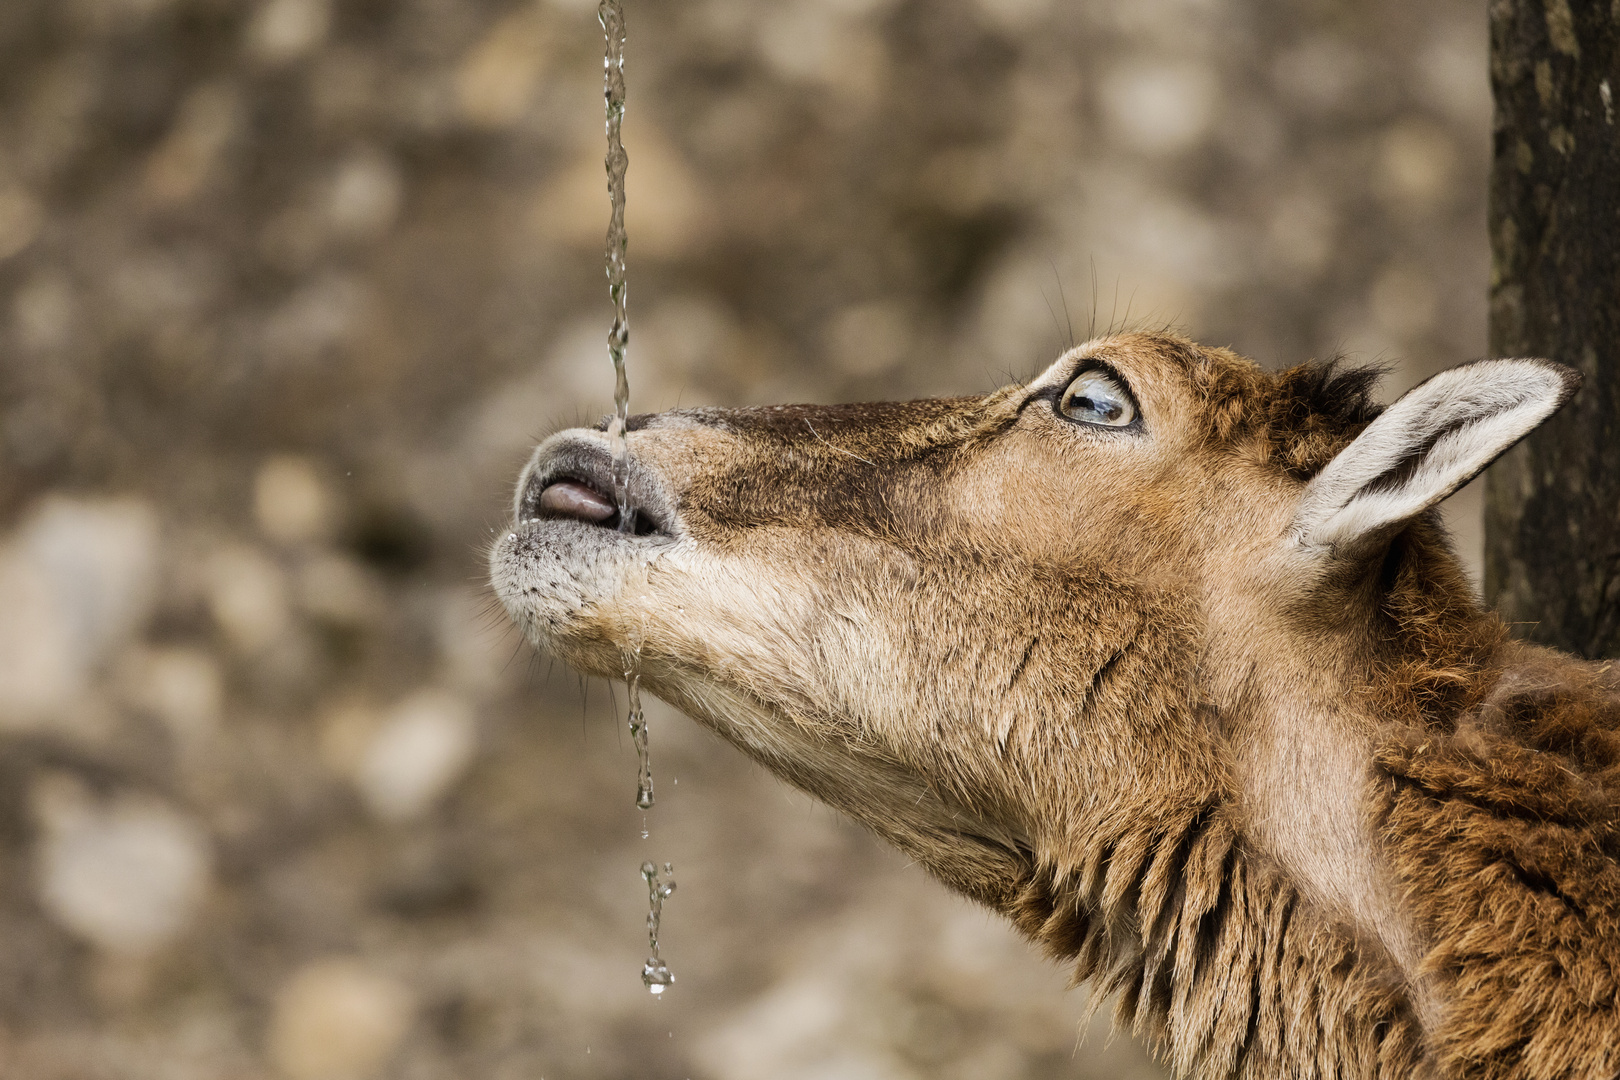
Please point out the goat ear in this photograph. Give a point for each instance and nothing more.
(1437, 437)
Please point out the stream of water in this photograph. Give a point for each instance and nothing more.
(655, 974)
(638, 735)
(610, 13)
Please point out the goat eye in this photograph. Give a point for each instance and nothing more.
(1096, 397)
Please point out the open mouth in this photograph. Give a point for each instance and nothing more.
(576, 482)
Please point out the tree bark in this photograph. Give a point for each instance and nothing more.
(1552, 518)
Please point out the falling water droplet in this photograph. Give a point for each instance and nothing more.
(638, 732)
(655, 974)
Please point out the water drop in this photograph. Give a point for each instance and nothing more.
(655, 974)
(638, 732)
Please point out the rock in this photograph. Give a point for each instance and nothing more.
(832, 45)
(497, 81)
(366, 195)
(334, 1020)
(182, 687)
(191, 153)
(285, 30)
(76, 580)
(423, 746)
(1160, 108)
(1417, 161)
(127, 876)
(347, 727)
(290, 501)
(40, 671)
(247, 593)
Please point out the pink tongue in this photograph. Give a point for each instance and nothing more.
(568, 499)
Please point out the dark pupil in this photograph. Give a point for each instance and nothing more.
(1108, 410)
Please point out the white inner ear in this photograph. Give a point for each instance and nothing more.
(1431, 442)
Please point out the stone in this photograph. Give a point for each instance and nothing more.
(285, 30)
(189, 155)
(336, 1020)
(496, 82)
(127, 876)
(366, 195)
(77, 579)
(247, 593)
(183, 687)
(1160, 108)
(1417, 161)
(289, 500)
(424, 745)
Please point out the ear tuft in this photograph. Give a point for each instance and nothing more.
(1437, 437)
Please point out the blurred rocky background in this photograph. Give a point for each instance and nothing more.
(288, 288)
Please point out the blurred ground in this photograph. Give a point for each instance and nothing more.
(288, 288)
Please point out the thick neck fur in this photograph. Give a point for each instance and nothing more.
(1290, 678)
(1254, 930)
(1449, 904)
(1217, 959)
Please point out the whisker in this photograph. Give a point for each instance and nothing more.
(1062, 296)
(1091, 329)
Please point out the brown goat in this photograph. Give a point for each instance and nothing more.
(1162, 656)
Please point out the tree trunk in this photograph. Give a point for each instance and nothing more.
(1552, 519)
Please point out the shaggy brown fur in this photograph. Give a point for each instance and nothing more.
(1305, 809)
(1505, 830)
(1216, 960)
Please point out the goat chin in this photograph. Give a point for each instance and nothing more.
(1163, 657)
